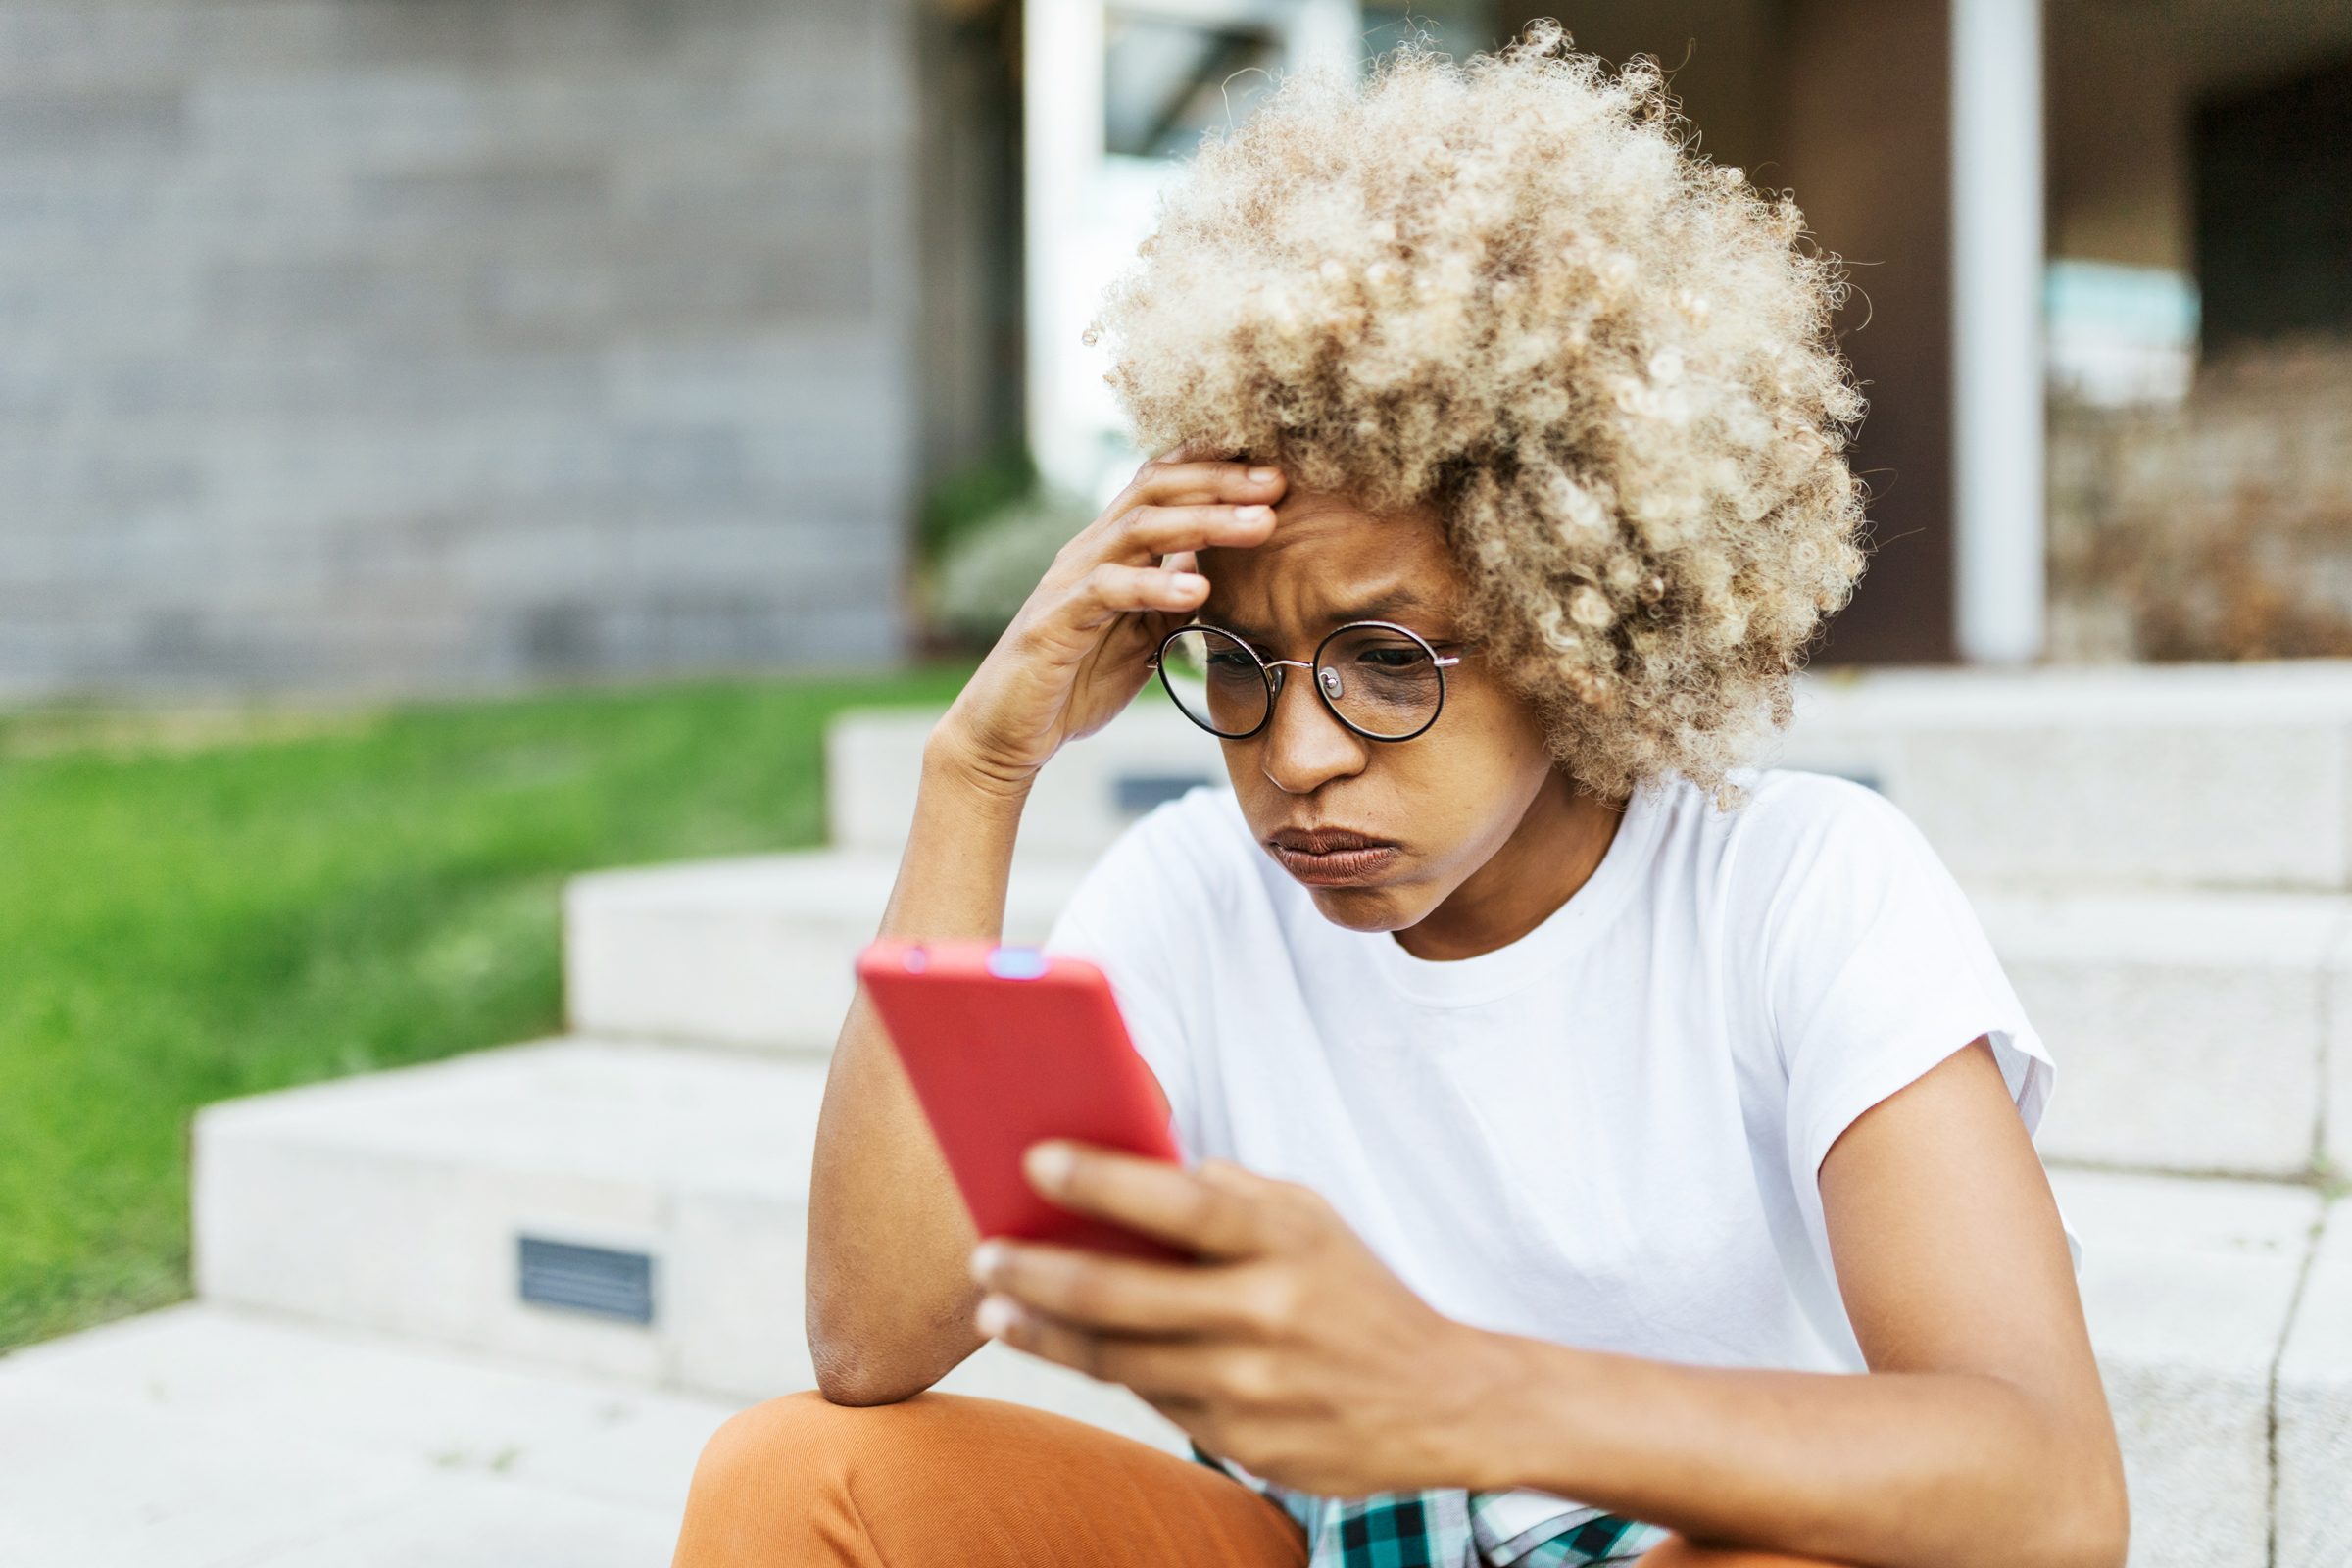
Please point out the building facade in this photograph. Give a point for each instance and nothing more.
(390, 346)
(375, 346)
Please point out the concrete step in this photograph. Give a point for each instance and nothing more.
(2196, 1295)
(755, 950)
(2175, 776)
(2194, 1032)
(2157, 775)
(1150, 753)
(396, 1202)
(202, 1435)
(613, 1207)
(2313, 1393)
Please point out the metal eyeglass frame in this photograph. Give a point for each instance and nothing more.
(1270, 672)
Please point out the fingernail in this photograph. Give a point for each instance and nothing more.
(987, 1256)
(1050, 1163)
(1251, 513)
(996, 1315)
(1260, 476)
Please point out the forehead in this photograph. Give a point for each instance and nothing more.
(1327, 561)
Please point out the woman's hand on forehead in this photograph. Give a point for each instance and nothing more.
(1195, 474)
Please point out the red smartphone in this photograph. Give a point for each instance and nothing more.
(1008, 1044)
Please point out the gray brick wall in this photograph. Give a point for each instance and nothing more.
(369, 346)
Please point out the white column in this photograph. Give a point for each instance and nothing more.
(1062, 103)
(1997, 258)
(1327, 31)
(1083, 219)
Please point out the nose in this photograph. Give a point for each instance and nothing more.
(1304, 744)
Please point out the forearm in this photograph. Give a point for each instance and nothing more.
(890, 1295)
(1893, 1470)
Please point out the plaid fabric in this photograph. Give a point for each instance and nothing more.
(1447, 1529)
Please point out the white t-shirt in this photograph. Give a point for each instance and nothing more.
(1608, 1133)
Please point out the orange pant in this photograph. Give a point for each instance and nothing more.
(959, 1481)
(944, 1480)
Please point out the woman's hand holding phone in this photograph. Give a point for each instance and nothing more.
(1074, 655)
(1286, 1346)
(1007, 1046)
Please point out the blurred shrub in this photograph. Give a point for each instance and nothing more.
(966, 497)
(2233, 587)
(2218, 527)
(988, 570)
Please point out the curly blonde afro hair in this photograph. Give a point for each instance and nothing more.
(1508, 290)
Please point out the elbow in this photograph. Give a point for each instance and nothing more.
(2102, 1540)
(2090, 1524)
(850, 1388)
(2068, 1475)
(849, 1379)
(850, 1372)
(865, 1353)
(2107, 1534)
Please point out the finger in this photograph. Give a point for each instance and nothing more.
(1185, 1410)
(1170, 1369)
(1199, 480)
(1193, 451)
(1155, 531)
(1126, 1295)
(1180, 561)
(1110, 588)
(1215, 1219)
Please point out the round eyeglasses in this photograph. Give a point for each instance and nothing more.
(1380, 679)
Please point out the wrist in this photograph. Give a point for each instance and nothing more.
(1524, 1396)
(952, 762)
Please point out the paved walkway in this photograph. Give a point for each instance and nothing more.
(206, 1436)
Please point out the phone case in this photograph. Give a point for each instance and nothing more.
(1008, 1044)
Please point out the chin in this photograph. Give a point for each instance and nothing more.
(1369, 910)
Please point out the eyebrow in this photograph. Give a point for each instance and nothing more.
(1373, 608)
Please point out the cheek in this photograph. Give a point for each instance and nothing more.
(1455, 794)
(1504, 733)
(1477, 791)
(1487, 739)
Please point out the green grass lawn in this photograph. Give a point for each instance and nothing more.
(193, 912)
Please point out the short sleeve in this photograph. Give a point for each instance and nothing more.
(1132, 916)
(1876, 970)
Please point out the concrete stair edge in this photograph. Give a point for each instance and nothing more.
(2213, 1320)
(2194, 1031)
(2185, 777)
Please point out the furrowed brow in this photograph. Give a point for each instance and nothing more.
(1378, 608)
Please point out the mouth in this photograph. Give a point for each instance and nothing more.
(1332, 857)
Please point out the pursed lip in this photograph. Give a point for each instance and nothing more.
(1326, 840)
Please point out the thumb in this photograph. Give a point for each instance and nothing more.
(1230, 1174)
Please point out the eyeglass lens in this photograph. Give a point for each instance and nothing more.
(1381, 681)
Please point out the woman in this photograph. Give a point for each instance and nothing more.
(1611, 1151)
